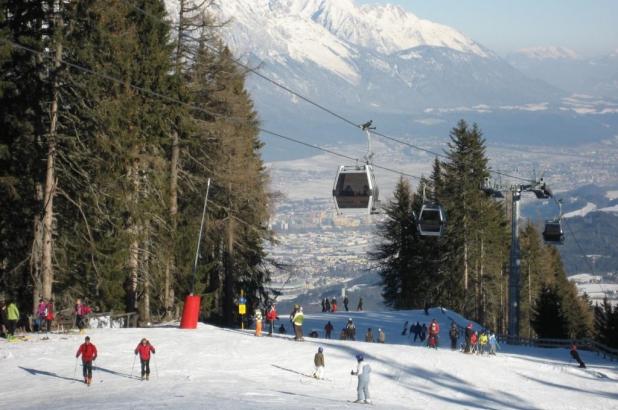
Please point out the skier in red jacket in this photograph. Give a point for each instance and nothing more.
(144, 348)
(271, 316)
(434, 330)
(88, 351)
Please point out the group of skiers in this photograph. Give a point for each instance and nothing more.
(331, 305)
(424, 332)
(11, 319)
(479, 342)
(88, 352)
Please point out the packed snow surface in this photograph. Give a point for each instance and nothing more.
(214, 368)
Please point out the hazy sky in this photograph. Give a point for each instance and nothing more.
(588, 27)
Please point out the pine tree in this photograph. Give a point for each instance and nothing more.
(476, 242)
(394, 253)
(548, 320)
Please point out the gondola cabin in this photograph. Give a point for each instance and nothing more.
(355, 190)
(553, 233)
(431, 220)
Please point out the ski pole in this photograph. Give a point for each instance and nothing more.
(133, 366)
(75, 370)
(155, 365)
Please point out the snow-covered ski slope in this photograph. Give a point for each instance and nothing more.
(213, 368)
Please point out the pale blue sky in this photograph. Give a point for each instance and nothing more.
(588, 27)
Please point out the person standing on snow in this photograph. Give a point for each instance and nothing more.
(434, 330)
(345, 303)
(3, 320)
(363, 371)
(271, 316)
(381, 336)
(50, 316)
(493, 344)
(88, 351)
(144, 348)
(469, 333)
(575, 355)
(318, 361)
(328, 328)
(453, 334)
(369, 336)
(474, 342)
(360, 304)
(12, 317)
(327, 305)
(483, 341)
(350, 330)
(333, 305)
(416, 329)
(258, 322)
(405, 329)
(41, 314)
(423, 332)
(297, 320)
(81, 311)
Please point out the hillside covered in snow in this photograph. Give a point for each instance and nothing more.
(214, 368)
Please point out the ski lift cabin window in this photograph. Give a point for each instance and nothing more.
(355, 191)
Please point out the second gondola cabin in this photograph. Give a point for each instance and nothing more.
(355, 191)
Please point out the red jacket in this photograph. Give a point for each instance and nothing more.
(88, 352)
(144, 351)
(434, 328)
(271, 314)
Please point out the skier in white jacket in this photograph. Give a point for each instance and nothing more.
(363, 371)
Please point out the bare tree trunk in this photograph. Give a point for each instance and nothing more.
(482, 292)
(47, 269)
(465, 301)
(133, 262)
(145, 269)
(228, 296)
(170, 263)
(35, 257)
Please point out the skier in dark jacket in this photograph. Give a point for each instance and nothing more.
(453, 334)
(345, 303)
(328, 328)
(88, 351)
(144, 348)
(423, 332)
(575, 355)
(469, 333)
(360, 305)
(405, 329)
(416, 329)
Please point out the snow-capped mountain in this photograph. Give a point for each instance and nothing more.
(368, 57)
(565, 69)
(410, 75)
(548, 53)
